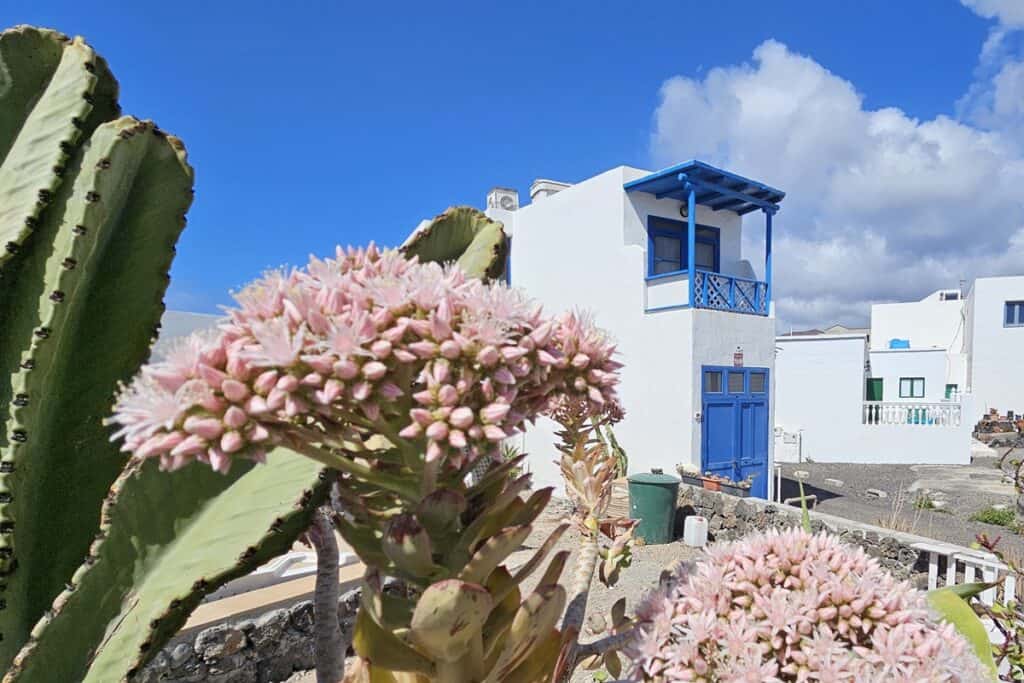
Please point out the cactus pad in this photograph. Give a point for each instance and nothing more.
(53, 93)
(166, 540)
(95, 291)
(466, 236)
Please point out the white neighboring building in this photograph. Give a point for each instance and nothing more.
(994, 344)
(912, 388)
(699, 351)
(917, 349)
(950, 343)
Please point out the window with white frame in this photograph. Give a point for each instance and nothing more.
(1013, 315)
(911, 387)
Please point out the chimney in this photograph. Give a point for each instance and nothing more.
(541, 187)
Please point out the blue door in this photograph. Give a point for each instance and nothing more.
(734, 437)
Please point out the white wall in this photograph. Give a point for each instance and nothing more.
(716, 336)
(819, 387)
(929, 323)
(569, 252)
(818, 392)
(997, 352)
(937, 367)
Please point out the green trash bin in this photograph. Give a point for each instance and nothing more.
(652, 500)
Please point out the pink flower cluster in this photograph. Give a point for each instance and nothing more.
(791, 606)
(416, 352)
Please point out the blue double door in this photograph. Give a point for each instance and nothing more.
(734, 424)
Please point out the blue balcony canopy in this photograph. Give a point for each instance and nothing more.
(713, 187)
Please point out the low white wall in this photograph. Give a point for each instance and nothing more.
(667, 291)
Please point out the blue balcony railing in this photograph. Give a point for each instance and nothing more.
(729, 293)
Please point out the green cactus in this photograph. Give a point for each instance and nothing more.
(90, 209)
(165, 542)
(90, 213)
(53, 94)
(466, 236)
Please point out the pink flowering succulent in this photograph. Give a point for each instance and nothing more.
(791, 606)
(367, 342)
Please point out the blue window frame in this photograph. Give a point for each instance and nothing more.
(667, 247)
(1014, 314)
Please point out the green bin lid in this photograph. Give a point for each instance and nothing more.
(649, 478)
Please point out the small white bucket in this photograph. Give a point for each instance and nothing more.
(695, 531)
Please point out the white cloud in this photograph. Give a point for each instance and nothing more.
(1006, 12)
(879, 206)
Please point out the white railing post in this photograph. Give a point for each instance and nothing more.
(918, 414)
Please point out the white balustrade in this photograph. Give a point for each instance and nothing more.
(945, 414)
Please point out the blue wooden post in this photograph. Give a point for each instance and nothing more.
(691, 239)
(768, 261)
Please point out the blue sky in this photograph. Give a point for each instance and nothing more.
(316, 123)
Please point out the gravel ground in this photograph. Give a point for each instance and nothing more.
(962, 490)
(634, 582)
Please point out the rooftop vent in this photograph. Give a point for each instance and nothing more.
(542, 187)
(503, 198)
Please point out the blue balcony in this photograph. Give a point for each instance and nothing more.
(728, 293)
(678, 249)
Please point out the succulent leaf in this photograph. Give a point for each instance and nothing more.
(439, 512)
(533, 623)
(166, 541)
(555, 567)
(502, 613)
(407, 544)
(464, 235)
(537, 667)
(385, 650)
(448, 616)
(956, 610)
(493, 552)
(530, 565)
(109, 230)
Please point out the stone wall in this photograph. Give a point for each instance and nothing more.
(265, 649)
(730, 517)
(270, 647)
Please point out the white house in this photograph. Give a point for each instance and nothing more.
(912, 387)
(952, 342)
(658, 258)
(994, 343)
